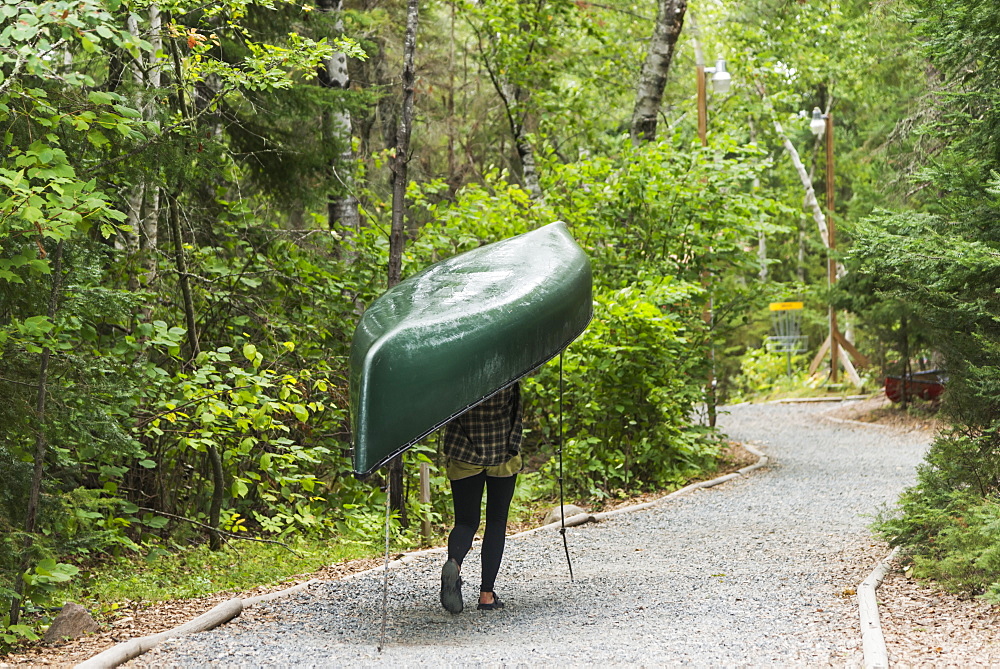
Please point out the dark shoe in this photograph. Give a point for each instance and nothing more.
(451, 587)
(495, 606)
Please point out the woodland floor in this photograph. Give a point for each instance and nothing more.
(923, 625)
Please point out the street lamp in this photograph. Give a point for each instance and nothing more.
(841, 350)
(818, 122)
(721, 81)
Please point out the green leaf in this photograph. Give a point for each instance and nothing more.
(101, 98)
(32, 214)
(36, 325)
(239, 488)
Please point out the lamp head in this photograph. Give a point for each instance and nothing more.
(721, 80)
(818, 122)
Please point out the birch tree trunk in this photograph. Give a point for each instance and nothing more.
(811, 202)
(342, 212)
(761, 236)
(399, 182)
(143, 203)
(150, 239)
(514, 98)
(653, 78)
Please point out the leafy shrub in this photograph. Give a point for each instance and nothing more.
(631, 385)
(949, 523)
(955, 540)
(763, 371)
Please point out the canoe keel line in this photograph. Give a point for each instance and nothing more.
(460, 331)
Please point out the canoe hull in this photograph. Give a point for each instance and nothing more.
(458, 332)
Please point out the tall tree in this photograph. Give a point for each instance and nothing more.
(399, 184)
(342, 211)
(653, 78)
(516, 44)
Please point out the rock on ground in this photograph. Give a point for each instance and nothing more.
(73, 621)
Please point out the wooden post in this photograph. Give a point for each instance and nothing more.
(702, 106)
(425, 498)
(831, 263)
(706, 313)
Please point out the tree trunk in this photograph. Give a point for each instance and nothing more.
(194, 348)
(800, 270)
(811, 202)
(514, 99)
(143, 203)
(761, 236)
(399, 182)
(151, 220)
(41, 444)
(904, 330)
(653, 78)
(342, 212)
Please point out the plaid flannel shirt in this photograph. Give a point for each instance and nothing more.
(489, 433)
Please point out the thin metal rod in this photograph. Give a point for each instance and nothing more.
(562, 504)
(385, 574)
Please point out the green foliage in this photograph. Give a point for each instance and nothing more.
(937, 266)
(40, 592)
(247, 412)
(196, 571)
(763, 372)
(951, 537)
(629, 393)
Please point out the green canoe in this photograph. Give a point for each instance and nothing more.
(458, 332)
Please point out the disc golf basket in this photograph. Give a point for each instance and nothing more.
(786, 331)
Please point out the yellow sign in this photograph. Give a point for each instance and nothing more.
(785, 306)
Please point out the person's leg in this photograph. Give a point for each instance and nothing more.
(467, 497)
(499, 493)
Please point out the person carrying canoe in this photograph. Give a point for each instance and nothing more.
(482, 447)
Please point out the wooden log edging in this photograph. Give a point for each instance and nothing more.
(808, 400)
(581, 518)
(222, 613)
(872, 639)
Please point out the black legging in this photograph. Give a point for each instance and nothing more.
(467, 496)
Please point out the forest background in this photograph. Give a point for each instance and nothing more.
(196, 204)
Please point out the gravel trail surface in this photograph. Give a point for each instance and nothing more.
(758, 571)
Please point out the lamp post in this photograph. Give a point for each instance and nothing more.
(821, 124)
(721, 81)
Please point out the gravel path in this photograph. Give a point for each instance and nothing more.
(754, 572)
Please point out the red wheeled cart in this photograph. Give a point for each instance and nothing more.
(926, 385)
